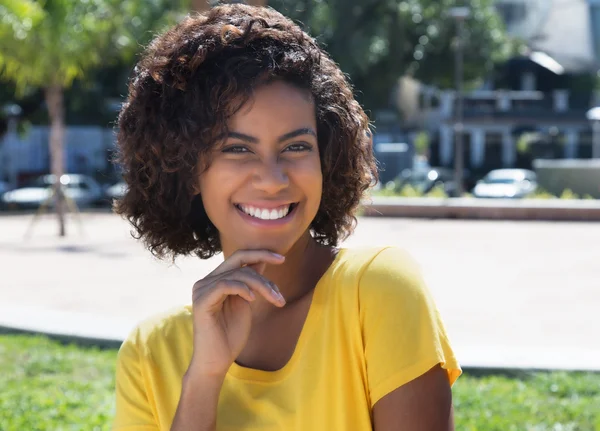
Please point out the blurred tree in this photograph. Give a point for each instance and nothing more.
(203, 5)
(377, 41)
(47, 44)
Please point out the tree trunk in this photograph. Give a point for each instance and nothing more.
(54, 96)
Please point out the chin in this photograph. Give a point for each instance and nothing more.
(274, 243)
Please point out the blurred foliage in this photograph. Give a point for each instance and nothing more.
(525, 140)
(95, 43)
(421, 143)
(398, 188)
(540, 193)
(53, 42)
(86, 47)
(50, 386)
(377, 41)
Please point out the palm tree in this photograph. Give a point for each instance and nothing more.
(50, 43)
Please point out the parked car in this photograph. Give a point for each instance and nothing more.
(506, 183)
(426, 178)
(82, 189)
(116, 191)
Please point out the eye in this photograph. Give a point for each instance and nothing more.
(235, 149)
(299, 147)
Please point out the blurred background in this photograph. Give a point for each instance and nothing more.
(455, 92)
(486, 125)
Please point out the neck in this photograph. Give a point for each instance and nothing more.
(301, 269)
(304, 265)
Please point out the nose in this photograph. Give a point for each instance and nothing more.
(270, 176)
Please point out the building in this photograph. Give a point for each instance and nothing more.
(545, 92)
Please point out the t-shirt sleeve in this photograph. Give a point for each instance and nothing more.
(133, 410)
(402, 330)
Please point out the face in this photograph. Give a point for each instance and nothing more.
(263, 186)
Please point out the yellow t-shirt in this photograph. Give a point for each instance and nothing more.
(372, 327)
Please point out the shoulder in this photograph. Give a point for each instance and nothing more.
(166, 328)
(381, 268)
(389, 280)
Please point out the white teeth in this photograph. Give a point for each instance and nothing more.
(265, 214)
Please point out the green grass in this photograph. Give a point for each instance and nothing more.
(45, 385)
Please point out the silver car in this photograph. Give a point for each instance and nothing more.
(82, 189)
(506, 183)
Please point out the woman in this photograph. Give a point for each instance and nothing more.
(241, 135)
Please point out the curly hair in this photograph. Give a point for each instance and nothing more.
(189, 82)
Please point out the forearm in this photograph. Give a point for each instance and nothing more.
(197, 408)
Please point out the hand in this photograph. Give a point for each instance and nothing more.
(221, 309)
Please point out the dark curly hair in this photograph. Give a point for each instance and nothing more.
(189, 82)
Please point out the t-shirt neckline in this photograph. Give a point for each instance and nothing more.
(310, 324)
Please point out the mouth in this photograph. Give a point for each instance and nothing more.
(277, 213)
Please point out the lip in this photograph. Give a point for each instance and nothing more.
(268, 205)
(257, 222)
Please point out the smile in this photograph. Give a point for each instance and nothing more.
(266, 213)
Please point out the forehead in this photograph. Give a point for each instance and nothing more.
(276, 103)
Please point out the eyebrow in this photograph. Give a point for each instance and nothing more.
(282, 138)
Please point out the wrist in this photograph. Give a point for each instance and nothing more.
(198, 373)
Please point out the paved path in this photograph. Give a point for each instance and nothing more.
(512, 294)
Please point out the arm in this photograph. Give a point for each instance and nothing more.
(222, 319)
(410, 363)
(197, 409)
(424, 404)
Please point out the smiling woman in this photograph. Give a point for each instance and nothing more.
(263, 185)
(241, 136)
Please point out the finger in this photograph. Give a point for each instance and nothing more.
(259, 285)
(242, 258)
(219, 291)
(259, 267)
(248, 275)
(255, 281)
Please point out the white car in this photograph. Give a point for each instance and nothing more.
(116, 191)
(506, 183)
(82, 189)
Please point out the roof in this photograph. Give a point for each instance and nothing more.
(561, 29)
(566, 36)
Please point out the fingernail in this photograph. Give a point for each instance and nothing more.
(277, 295)
(277, 255)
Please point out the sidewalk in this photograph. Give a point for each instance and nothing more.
(512, 294)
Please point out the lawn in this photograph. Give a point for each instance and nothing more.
(45, 385)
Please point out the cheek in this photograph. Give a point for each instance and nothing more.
(312, 179)
(213, 186)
